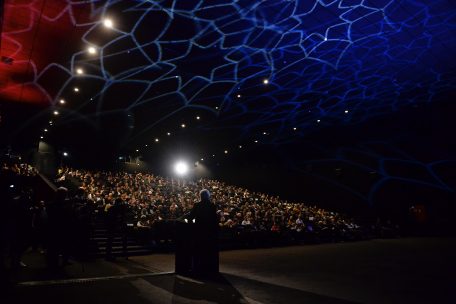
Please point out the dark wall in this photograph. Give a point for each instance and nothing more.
(45, 159)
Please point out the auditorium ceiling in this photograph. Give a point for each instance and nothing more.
(255, 71)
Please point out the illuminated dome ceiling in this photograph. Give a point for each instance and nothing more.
(268, 71)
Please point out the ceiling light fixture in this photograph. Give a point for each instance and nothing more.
(91, 50)
(108, 23)
(181, 168)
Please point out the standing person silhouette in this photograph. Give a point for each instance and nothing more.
(58, 228)
(204, 217)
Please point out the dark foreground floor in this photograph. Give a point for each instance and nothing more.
(419, 270)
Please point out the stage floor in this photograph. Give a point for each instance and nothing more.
(409, 270)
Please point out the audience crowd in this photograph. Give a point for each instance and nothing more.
(61, 224)
(153, 199)
(18, 170)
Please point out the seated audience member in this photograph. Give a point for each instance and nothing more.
(143, 222)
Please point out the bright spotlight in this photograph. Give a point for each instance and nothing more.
(79, 71)
(266, 81)
(65, 153)
(183, 125)
(181, 168)
(108, 23)
(76, 89)
(92, 50)
(157, 140)
(62, 101)
(56, 113)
